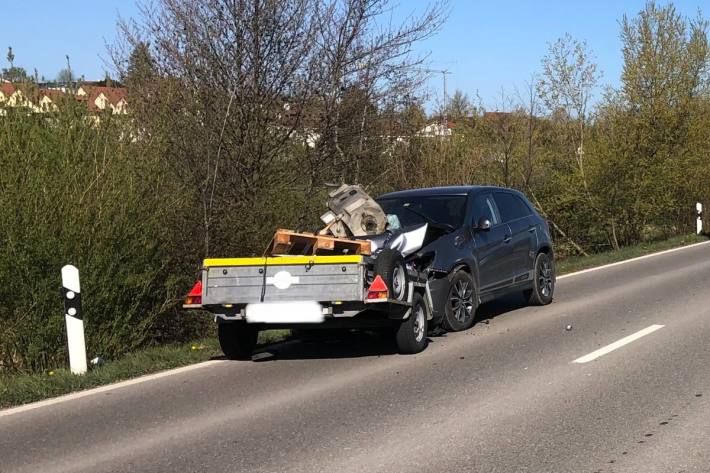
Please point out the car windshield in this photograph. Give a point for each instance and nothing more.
(437, 210)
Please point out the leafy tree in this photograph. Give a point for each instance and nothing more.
(665, 68)
(141, 67)
(569, 77)
(13, 73)
(460, 106)
(10, 56)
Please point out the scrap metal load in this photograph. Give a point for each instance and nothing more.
(354, 225)
(353, 213)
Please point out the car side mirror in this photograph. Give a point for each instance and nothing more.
(483, 224)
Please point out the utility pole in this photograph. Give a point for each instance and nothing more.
(444, 73)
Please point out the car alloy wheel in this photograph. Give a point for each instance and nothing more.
(544, 278)
(462, 300)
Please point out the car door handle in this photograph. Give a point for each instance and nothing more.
(507, 239)
(532, 229)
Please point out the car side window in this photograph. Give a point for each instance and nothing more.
(483, 206)
(511, 207)
(524, 205)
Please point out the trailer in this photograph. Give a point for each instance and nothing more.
(247, 295)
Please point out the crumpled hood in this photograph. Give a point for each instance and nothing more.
(406, 242)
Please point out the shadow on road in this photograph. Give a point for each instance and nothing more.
(327, 344)
(334, 344)
(488, 311)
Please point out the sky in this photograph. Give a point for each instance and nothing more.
(486, 45)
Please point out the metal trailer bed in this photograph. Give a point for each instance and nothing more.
(305, 292)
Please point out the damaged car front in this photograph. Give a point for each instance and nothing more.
(443, 214)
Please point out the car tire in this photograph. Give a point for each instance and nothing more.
(543, 283)
(389, 265)
(237, 340)
(461, 305)
(411, 334)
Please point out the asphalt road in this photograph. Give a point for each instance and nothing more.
(505, 396)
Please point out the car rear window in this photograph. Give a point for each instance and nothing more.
(511, 207)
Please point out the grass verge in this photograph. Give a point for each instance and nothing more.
(19, 389)
(578, 263)
(24, 388)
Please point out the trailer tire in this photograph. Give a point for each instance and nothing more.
(389, 265)
(411, 334)
(237, 340)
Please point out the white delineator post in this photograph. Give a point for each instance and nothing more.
(73, 317)
(699, 221)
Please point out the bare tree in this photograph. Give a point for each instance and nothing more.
(236, 85)
(529, 101)
(225, 71)
(503, 131)
(361, 50)
(65, 77)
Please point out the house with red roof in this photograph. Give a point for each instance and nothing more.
(100, 98)
(47, 99)
(7, 89)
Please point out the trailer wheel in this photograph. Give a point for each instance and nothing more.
(389, 265)
(237, 340)
(411, 333)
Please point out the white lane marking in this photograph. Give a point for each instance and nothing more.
(150, 377)
(618, 344)
(108, 387)
(650, 255)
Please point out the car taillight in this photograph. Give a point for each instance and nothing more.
(195, 294)
(378, 289)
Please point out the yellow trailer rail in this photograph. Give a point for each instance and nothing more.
(283, 260)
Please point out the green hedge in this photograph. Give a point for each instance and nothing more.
(74, 189)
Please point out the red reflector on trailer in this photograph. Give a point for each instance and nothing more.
(195, 294)
(378, 289)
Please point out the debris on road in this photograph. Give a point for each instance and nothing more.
(264, 355)
(568, 328)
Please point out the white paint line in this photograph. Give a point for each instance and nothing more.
(618, 344)
(618, 263)
(108, 387)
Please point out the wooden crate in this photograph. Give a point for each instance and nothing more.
(287, 242)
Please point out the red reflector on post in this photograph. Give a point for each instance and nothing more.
(195, 294)
(378, 289)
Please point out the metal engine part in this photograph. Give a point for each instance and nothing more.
(353, 213)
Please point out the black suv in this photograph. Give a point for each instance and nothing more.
(483, 242)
